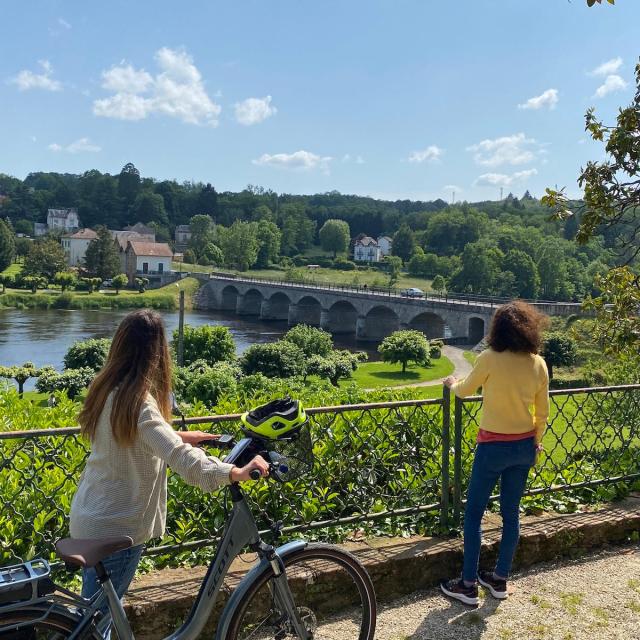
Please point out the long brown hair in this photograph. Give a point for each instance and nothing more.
(138, 363)
(517, 326)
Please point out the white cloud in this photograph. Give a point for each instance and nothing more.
(176, 91)
(347, 157)
(610, 85)
(299, 161)
(431, 154)
(503, 179)
(452, 187)
(29, 80)
(79, 146)
(64, 24)
(359, 160)
(607, 68)
(513, 150)
(254, 110)
(548, 98)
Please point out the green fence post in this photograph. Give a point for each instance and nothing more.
(457, 462)
(446, 445)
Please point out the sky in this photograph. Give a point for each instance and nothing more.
(418, 99)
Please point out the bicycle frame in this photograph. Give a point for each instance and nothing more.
(241, 531)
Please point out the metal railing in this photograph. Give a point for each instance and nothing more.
(382, 468)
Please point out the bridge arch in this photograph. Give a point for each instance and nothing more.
(307, 310)
(229, 298)
(342, 318)
(476, 329)
(250, 303)
(379, 322)
(431, 324)
(276, 307)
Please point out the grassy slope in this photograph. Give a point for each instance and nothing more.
(163, 298)
(328, 276)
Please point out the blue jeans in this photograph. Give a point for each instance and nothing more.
(121, 567)
(508, 462)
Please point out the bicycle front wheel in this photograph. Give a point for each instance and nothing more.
(332, 591)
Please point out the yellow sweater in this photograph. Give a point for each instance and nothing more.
(512, 384)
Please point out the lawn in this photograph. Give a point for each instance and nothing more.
(372, 375)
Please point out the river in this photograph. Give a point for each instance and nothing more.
(43, 336)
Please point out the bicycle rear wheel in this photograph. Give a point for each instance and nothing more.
(30, 624)
(332, 591)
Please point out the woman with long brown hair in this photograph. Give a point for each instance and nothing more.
(126, 416)
(515, 388)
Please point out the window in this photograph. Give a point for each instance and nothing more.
(145, 267)
(161, 267)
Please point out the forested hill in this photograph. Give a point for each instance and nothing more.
(510, 247)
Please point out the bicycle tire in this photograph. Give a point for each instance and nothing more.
(58, 625)
(315, 603)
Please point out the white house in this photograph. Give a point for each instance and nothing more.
(75, 246)
(385, 242)
(122, 238)
(366, 249)
(63, 219)
(144, 259)
(183, 234)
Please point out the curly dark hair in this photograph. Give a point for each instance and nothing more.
(517, 326)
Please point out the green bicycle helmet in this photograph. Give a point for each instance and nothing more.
(276, 419)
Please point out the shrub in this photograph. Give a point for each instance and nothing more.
(73, 381)
(189, 256)
(280, 359)
(435, 351)
(344, 265)
(209, 343)
(202, 383)
(63, 301)
(90, 354)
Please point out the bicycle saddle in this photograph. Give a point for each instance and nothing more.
(87, 553)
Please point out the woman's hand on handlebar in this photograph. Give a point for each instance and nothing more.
(259, 466)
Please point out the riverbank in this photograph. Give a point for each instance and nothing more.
(165, 298)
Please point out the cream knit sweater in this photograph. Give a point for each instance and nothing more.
(123, 490)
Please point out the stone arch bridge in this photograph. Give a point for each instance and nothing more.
(369, 315)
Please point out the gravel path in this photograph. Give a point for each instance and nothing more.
(594, 598)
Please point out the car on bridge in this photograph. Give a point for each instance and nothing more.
(412, 292)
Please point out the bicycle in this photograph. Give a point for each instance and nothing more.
(278, 598)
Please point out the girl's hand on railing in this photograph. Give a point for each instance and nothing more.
(194, 438)
(449, 381)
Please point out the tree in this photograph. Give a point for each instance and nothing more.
(91, 283)
(120, 282)
(7, 245)
(149, 207)
(190, 257)
(559, 351)
(405, 346)
(404, 243)
(91, 354)
(208, 201)
(335, 236)
(208, 342)
(202, 233)
(142, 283)
(64, 279)
(239, 243)
(590, 3)
(526, 274)
(310, 340)
(439, 285)
(394, 264)
(273, 359)
(334, 366)
(212, 254)
(128, 183)
(6, 280)
(102, 258)
(23, 226)
(45, 258)
(269, 237)
(21, 373)
(35, 282)
(22, 247)
(202, 383)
